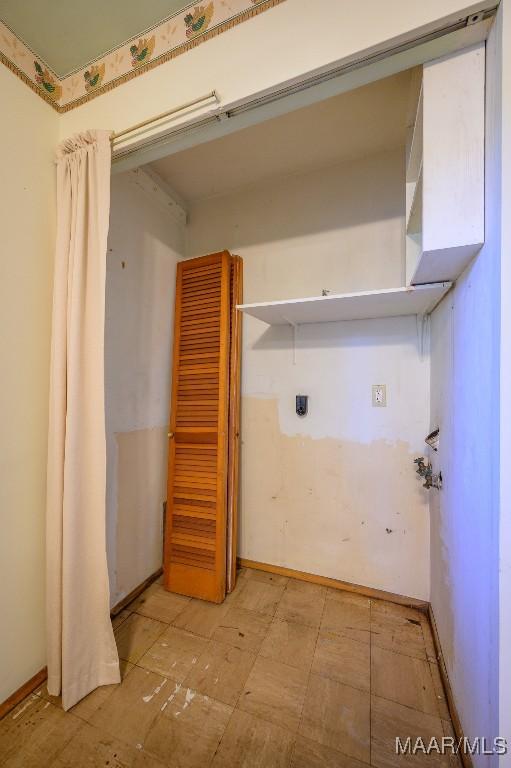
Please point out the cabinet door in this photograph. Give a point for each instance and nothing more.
(195, 537)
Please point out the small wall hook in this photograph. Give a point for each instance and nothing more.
(433, 439)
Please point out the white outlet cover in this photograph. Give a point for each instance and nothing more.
(379, 396)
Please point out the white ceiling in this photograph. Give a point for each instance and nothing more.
(361, 122)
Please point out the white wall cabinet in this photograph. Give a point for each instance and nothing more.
(445, 169)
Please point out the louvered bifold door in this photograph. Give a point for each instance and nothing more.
(234, 420)
(195, 537)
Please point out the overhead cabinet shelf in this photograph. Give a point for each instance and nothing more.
(366, 305)
(445, 169)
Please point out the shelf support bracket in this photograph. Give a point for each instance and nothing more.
(295, 327)
(423, 325)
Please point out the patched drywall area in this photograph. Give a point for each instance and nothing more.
(335, 492)
(144, 246)
(142, 490)
(465, 514)
(312, 502)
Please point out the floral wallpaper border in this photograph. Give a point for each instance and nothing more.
(178, 33)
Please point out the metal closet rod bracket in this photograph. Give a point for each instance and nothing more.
(168, 113)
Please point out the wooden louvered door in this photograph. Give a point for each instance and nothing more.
(195, 536)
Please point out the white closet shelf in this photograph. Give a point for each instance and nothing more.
(366, 305)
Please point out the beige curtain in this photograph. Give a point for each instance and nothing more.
(81, 647)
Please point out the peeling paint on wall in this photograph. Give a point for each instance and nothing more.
(326, 505)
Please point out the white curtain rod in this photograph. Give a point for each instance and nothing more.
(168, 113)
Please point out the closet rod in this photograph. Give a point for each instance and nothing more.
(168, 113)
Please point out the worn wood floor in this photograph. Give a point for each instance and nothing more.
(284, 674)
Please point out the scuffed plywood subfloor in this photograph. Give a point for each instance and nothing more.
(283, 674)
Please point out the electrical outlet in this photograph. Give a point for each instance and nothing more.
(379, 396)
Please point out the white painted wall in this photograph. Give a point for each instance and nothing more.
(28, 135)
(465, 514)
(144, 246)
(306, 502)
(503, 75)
(502, 69)
(299, 36)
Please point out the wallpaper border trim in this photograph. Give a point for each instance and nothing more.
(67, 93)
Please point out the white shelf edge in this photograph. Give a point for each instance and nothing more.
(452, 261)
(413, 256)
(355, 294)
(415, 157)
(281, 308)
(413, 227)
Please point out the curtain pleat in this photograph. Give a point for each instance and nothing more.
(81, 649)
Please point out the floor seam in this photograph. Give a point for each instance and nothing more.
(407, 706)
(300, 722)
(236, 707)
